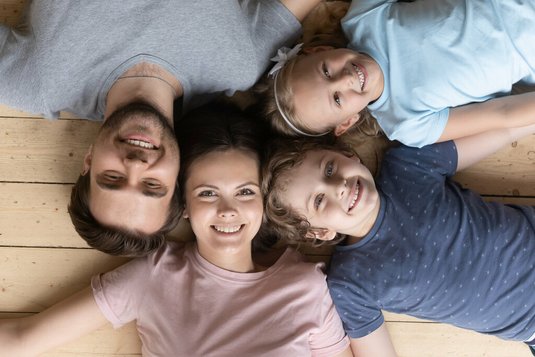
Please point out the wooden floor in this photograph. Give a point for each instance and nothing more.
(42, 260)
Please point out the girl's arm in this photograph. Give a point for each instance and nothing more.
(498, 113)
(377, 343)
(300, 8)
(471, 149)
(61, 323)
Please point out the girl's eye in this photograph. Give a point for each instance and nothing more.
(329, 169)
(246, 192)
(337, 100)
(207, 193)
(318, 200)
(326, 71)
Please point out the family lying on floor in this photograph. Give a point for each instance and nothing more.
(433, 75)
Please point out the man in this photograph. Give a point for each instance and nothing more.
(126, 63)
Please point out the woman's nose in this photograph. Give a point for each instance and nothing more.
(226, 209)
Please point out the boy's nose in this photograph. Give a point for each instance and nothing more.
(341, 188)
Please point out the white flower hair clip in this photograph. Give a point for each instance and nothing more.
(284, 54)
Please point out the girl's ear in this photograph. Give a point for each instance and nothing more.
(87, 161)
(346, 124)
(315, 49)
(320, 234)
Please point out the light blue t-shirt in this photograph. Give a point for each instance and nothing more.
(71, 52)
(437, 54)
(438, 252)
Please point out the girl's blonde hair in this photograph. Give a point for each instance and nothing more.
(284, 154)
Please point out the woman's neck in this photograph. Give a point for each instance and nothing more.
(239, 260)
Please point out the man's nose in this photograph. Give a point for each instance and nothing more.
(136, 157)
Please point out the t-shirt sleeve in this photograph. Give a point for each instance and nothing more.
(359, 316)
(417, 129)
(330, 338)
(119, 293)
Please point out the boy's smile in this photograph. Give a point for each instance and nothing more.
(331, 87)
(333, 192)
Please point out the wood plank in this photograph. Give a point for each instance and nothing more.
(33, 279)
(37, 150)
(11, 11)
(440, 340)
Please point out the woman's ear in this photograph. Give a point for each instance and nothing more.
(310, 50)
(87, 161)
(346, 124)
(320, 234)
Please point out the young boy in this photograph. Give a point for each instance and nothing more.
(417, 243)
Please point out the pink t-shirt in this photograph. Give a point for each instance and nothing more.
(186, 306)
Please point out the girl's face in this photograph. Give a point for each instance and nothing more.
(223, 200)
(331, 86)
(334, 192)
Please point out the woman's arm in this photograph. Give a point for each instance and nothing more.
(499, 113)
(471, 149)
(377, 343)
(300, 8)
(61, 323)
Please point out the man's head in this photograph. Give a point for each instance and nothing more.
(127, 189)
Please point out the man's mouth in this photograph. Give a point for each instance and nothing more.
(140, 143)
(361, 74)
(228, 229)
(355, 198)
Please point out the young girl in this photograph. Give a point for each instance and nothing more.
(208, 297)
(413, 243)
(413, 65)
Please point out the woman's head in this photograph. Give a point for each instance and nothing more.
(315, 188)
(324, 89)
(220, 175)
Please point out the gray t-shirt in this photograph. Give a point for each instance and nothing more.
(71, 52)
(439, 252)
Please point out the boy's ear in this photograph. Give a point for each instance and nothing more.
(320, 234)
(346, 124)
(310, 50)
(87, 161)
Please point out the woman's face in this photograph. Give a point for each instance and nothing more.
(224, 201)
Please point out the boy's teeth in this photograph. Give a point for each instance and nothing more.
(352, 204)
(227, 229)
(139, 143)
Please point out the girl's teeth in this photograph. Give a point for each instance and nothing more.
(360, 75)
(226, 229)
(141, 144)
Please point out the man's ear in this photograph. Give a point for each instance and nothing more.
(320, 234)
(87, 161)
(310, 50)
(346, 124)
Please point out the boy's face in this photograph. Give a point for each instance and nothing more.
(331, 86)
(334, 192)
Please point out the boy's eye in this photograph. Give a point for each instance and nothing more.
(336, 98)
(325, 71)
(246, 192)
(318, 200)
(329, 169)
(207, 193)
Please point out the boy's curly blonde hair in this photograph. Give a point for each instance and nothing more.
(283, 155)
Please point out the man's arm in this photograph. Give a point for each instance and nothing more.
(471, 149)
(377, 343)
(300, 8)
(499, 113)
(61, 323)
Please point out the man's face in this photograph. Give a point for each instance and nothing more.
(133, 165)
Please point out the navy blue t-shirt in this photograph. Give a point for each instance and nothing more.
(438, 252)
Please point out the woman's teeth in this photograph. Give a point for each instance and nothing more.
(227, 229)
(139, 143)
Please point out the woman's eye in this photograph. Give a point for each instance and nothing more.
(329, 169)
(246, 192)
(113, 177)
(326, 71)
(337, 100)
(318, 200)
(207, 193)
